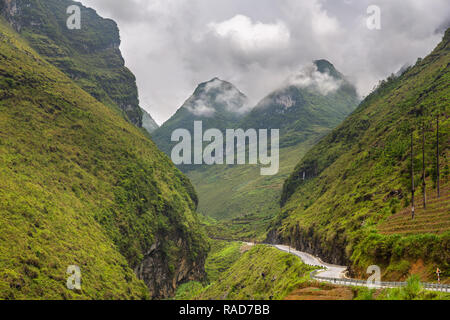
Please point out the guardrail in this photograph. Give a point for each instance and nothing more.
(377, 284)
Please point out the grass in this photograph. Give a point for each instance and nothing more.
(89, 56)
(222, 255)
(262, 273)
(359, 176)
(80, 185)
(412, 291)
(435, 218)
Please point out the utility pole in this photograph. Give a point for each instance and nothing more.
(424, 185)
(437, 156)
(413, 209)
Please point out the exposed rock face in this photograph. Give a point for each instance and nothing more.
(90, 56)
(331, 252)
(161, 277)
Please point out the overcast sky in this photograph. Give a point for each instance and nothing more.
(173, 45)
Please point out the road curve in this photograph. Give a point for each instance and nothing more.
(331, 271)
(336, 274)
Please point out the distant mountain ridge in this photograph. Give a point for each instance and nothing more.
(317, 96)
(312, 102)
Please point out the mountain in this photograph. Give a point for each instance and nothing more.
(148, 123)
(316, 97)
(80, 185)
(217, 103)
(349, 199)
(310, 104)
(89, 56)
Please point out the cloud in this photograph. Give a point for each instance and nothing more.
(173, 45)
(217, 93)
(310, 78)
(251, 37)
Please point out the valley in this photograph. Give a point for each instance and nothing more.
(204, 207)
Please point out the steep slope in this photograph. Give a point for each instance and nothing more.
(79, 185)
(312, 102)
(359, 175)
(148, 123)
(315, 98)
(217, 103)
(261, 273)
(90, 56)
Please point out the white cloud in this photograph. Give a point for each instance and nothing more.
(309, 77)
(252, 37)
(172, 45)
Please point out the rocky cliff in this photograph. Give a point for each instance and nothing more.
(90, 56)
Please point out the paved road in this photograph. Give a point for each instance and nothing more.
(336, 274)
(332, 271)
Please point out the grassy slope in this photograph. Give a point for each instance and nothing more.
(240, 192)
(235, 191)
(363, 177)
(262, 273)
(221, 257)
(90, 56)
(79, 185)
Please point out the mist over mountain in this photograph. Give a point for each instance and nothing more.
(312, 101)
(217, 103)
(316, 96)
(367, 193)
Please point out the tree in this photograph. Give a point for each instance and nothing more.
(413, 209)
(437, 156)
(424, 184)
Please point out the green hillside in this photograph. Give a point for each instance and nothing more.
(261, 273)
(216, 103)
(316, 98)
(359, 175)
(303, 114)
(89, 56)
(79, 185)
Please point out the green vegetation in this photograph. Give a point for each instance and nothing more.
(360, 175)
(82, 186)
(222, 255)
(89, 56)
(215, 103)
(238, 197)
(262, 273)
(412, 291)
(240, 192)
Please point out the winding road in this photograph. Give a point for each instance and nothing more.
(336, 274)
(331, 271)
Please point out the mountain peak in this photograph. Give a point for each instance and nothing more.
(325, 66)
(214, 95)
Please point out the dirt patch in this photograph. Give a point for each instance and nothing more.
(419, 269)
(316, 293)
(246, 247)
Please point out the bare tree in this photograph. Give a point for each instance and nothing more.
(437, 157)
(424, 184)
(413, 209)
